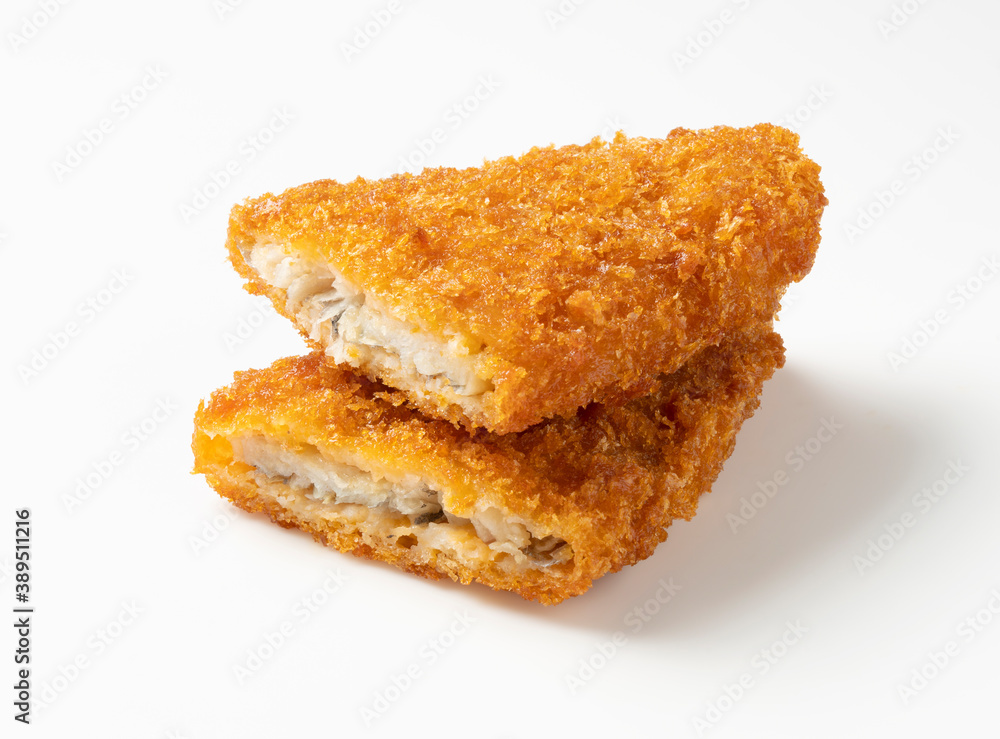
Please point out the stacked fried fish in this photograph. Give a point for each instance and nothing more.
(521, 373)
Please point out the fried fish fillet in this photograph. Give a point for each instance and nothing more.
(501, 295)
(542, 513)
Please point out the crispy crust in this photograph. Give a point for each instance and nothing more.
(584, 271)
(610, 479)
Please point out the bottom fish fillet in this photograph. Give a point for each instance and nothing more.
(543, 512)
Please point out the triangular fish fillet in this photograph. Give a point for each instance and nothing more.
(524, 289)
(542, 513)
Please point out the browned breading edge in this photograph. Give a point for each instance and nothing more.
(584, 272)
(610, 479)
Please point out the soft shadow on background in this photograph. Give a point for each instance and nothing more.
(839, 490)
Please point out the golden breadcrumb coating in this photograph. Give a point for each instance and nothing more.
(608, 479)
(580, 273)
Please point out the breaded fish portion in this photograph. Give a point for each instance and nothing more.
(542, 513)
(502, 295)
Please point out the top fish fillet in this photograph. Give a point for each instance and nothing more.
(502, 295)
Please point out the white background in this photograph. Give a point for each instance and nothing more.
(97, 236)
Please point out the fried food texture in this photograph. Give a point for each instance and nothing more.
(542, 513)
(502, 295)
